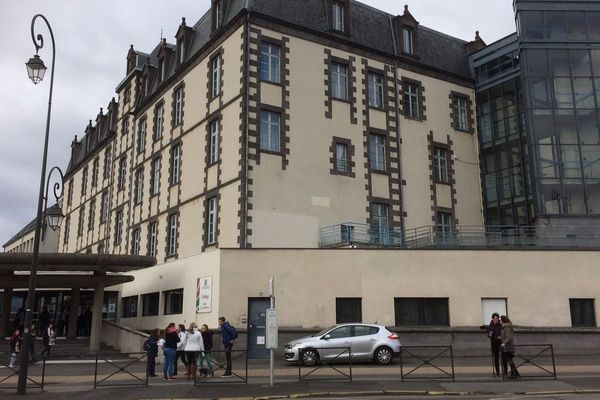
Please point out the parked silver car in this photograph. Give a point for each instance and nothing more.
(366, 342)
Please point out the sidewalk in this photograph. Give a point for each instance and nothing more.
(68, 380)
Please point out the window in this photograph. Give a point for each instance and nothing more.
(341, 158)
(411, 100)
(150, 304)
(214, 142)
(348, 309)
(172, 234)
(67, 226)
(141, 138)
(125, 126)
(102, 248)
(84, 178)
(175, 164)
(178, 106)
(92, 215)
(218, 14)
(421, 311)
(107, 161)
(161, 69)
(461, 121)
(339, 81)
(127, 95)
(70, 192)
(118, 226)
(380, 231)
(270, 131)
(135, 242)
(80, 222)
(159, 112)
(338, 16)
(440, 164)
(152, 238)
(363, 330)
(95, 168)
(181, 50)
(130, 305)
(216, 76)
(139, 184)
(377, 152)
(407, 40)
(211, 217)
(103, 207)
(582, 312)
(444, 223)
(270, 59)
(155, 184)
(375, 90)
(173, 301)
(341, 332)
(122, 172)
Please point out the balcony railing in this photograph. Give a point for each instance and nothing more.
(435, 236)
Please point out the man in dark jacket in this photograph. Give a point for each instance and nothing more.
(151, 347)
(494, 330)
(44, 319)
(228, 335)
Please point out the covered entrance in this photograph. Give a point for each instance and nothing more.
(69, 289)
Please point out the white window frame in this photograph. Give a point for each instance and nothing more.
(141, 141)
(81, 220)
(118, 226)
(155, 176)
(214, 141)
(175, 164)
(460, 108)
(270, 62)
(270, 131)
(337, 16)
(178, 106)
(122, 173)
(104, 207)
(139, 183)
(408, 40)
(211, 225)
(339, 81)
(440, 164)
(135, 245)
(152, 239)
(91, 215)
(95, 168)
(172, 239)
(107, 162)
(375, 90)
(341, 157)
(218, 13)
(411, 100)
(159, 120)
(216, 76)
(377, 150)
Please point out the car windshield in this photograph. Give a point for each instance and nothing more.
(324, 331)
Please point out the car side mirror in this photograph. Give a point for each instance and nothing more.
(326, 337)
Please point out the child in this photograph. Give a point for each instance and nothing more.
(151, 347)
(15, 347)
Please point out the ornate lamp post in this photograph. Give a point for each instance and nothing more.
(36, 70)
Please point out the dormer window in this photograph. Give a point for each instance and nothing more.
(218, 13)
(338, 16)
(146, 86)
(407, 40)
(161, 69)
(180, 51)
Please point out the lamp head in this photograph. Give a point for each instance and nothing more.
(35, 69)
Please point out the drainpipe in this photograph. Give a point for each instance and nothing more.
(247, 94)
(398, 130)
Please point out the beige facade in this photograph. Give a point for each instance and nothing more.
(23, 242)
(307, 283)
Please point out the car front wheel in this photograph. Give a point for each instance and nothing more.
(383, 355)
(309, 357)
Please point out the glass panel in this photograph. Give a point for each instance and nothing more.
(593, 19)
(504, 184)
(537, 63)
(584, 93)
(570, 161)
(550, 193)
(491, 187)
(563, 93)
(555, 25)
(591, 161)
(587, 124)
(595, 61)
(576, 28)
(544, 128)
(580, 63)
(559, 62)
(573, 196)
(485, 128)
(547, 161)
(592, 188)
(540, 93)
(532, 24)
(565, 125)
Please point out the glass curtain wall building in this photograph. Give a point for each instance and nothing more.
(559, 45)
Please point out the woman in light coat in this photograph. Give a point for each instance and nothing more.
(507, 338)
(194, 346)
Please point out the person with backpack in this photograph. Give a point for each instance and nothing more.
(228, 335)
(207, 339)
(16, 340)
(151, 349)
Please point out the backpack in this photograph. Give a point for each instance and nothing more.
(234, 334)
(146, 345)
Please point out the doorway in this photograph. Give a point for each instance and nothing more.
(257, 327)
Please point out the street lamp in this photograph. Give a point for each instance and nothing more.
(36, 70)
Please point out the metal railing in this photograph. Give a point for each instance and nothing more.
(218, 364)
(534, 358)
(14, 372)
(351, 233)
(121, 367)
(414, 358)
(341, 355)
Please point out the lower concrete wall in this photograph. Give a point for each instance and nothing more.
(122, 338)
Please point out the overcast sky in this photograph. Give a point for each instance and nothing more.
(92, 39)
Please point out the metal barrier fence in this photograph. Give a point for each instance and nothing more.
(327, 360)
(121, 367)
(14, 371)
(236, 355)
(533, 358)
(415, 358)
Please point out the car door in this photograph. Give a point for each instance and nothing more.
(334, 343)
(364, 340)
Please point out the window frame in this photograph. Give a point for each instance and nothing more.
(411, 100)
(345, 317)
(421, 303)
(95, 170)
(91, 214)
(159, 120)
(141, 138)
(215, 76)
(126, 311)
(375, 164)
(155, 177)
(118, 226)
(376, 91)
(150, 313)
(338, 16)
(441, 165)
(270, 134)
(178, 106)
(166, 302)
(135, 241)
(175, 167)
(583, 324)
(138, 194)
(212, 215)
(107, 162)
(214, 142)
(153, 238)
(340, 70)
(172, 234)
(104, 206)
(122, 173)
(272, 74)
(408, 42)
(461, 114)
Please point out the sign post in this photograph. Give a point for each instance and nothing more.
(272, 330)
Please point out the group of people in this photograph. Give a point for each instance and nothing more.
(502, 339)
(16, 342)
(192, 345)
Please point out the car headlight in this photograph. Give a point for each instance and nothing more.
(292, 346)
